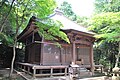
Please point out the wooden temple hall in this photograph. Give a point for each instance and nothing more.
(43, 57)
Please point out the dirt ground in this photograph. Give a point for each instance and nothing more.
(4, 75)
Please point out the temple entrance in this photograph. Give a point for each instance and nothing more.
(83, 54)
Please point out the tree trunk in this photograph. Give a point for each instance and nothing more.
(13, 59)
(117, 57)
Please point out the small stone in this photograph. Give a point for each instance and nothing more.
(116, 69)
(0, 78)
(115, 78)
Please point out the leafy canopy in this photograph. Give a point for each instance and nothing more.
(68, 12)
(107, 6)
(50, 30)
(107, 25)
(103, 23)
(28, 8)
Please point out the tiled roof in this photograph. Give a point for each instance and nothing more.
(68, 24)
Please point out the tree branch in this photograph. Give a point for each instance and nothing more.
(2, 24)
(23, 13)
(2, 3)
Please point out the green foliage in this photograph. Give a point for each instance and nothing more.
(104, 62)
(16, 14)
(41, 8)
(68, 12)
(104, 53)
(3, 38)
(83, 21)
(107, 6)
(50, 30)
(26, 8)
(107, 26)
(7, 27)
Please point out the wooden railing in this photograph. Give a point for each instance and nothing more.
(95, 66)
(41, 70)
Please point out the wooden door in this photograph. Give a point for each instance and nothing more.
(83, 53)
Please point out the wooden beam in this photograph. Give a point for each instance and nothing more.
(52, 43)
(83, 42)
(44, 42)
(82, 33)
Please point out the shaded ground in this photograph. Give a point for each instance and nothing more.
(4, 75)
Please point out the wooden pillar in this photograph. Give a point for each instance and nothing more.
(28, 69)
(26, 54)
(51, 72)
(74, 55)
(34, 73)
(65, 71)
(91, 59)
(33, 36)
(41, 54)
(60, 56)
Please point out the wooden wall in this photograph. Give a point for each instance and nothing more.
(33, 53)
(54, 55)
(50, 54)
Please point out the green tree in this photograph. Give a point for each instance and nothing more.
(19, 15)
(6, 28)
(68, 12)
(107, 6)
(103, 6)
(83, 21)
(4, 15)
(106, 25)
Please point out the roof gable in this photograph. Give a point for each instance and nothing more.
(69, 24)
